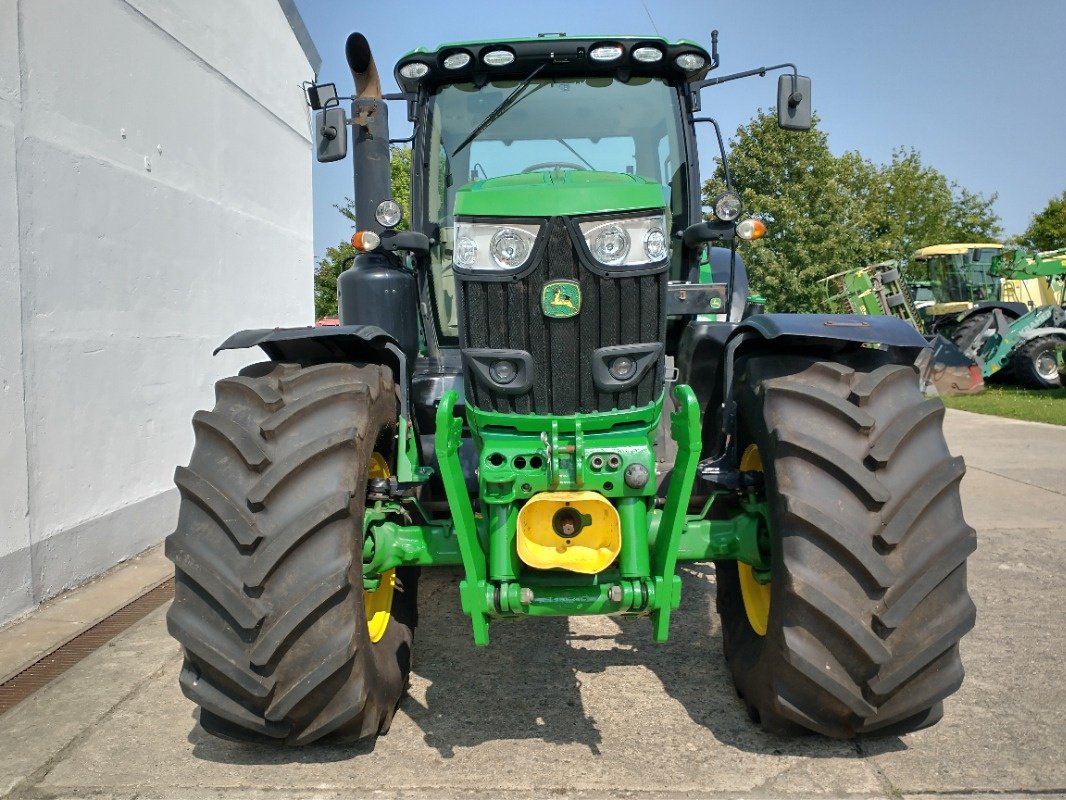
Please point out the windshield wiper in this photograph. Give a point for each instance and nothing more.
(499, 111)
(566, 144)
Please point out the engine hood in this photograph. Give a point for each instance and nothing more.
(558, 192)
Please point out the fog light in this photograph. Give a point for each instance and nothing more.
(648, 54)
(414, 70)
(503, 371)
(606, 52)
(456, 60)
(690, 62)
(498, 58)
(622, 368)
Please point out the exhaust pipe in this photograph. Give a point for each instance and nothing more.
(364, 70)
(370, 135)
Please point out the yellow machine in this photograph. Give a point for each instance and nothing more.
(950, 279)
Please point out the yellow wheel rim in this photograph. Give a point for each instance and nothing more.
(756, 595)
(378, 603)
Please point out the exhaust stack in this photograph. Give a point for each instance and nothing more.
(370, 134)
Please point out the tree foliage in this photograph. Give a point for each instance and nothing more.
(337, 257)
(1047, 231)
(827, 213)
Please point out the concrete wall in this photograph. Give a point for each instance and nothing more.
(155, 196)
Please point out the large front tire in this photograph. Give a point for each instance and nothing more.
(269, 604)
(867, 597)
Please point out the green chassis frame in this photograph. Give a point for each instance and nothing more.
(522, 455)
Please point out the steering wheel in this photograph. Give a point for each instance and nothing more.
(554, 164)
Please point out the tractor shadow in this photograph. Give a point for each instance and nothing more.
(527, 683)
(523, 686)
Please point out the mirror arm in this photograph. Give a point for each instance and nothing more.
(411, 241)
(721, 149)
(760, 71)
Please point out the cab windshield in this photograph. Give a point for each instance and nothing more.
(959, 277)
(599, 124)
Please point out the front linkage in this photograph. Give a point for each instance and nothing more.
(560, 463)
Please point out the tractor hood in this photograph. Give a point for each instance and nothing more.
(558, 192)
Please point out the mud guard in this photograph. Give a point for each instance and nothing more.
(795, 332)
(821, 329)
(314, 345)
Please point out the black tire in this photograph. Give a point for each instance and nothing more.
(268, 602)
(1035, 364)
(868, 597)
(964, 333)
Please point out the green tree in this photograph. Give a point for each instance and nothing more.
(336, 259)
(1047, 231)
(915, 205)
(816, 208)
(826, 214)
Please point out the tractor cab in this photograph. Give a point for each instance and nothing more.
(516, 133)
(955, 274)
(952, 282)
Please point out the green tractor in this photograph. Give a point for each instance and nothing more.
(531, 384)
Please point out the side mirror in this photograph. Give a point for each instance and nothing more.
(794, 102)
(321, 95)
(331, 134)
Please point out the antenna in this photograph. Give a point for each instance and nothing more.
(651, 19)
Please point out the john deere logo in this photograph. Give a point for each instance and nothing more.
(561, 299)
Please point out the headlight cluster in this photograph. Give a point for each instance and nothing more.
(619, 242)
(628, 241)
(482, 245)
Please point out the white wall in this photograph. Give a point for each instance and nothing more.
(155, 196)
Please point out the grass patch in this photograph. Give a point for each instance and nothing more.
(1032, 405)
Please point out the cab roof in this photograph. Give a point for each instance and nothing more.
(561, 55)
(953, 249)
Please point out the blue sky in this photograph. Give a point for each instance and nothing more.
(974, 85)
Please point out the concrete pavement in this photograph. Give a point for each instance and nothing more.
(591, 707)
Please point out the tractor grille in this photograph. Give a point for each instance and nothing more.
(614, 311)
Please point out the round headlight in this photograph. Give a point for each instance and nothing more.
(648, 55)
(498, 58)
(465, 251)
(413, 70)
(503, 371)
(622, 368)
(655, 244)
(606, 52)
(727, 207)
(388, 213)
(456, 60)
(690, 62)
(509, 248)
(611, 245)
